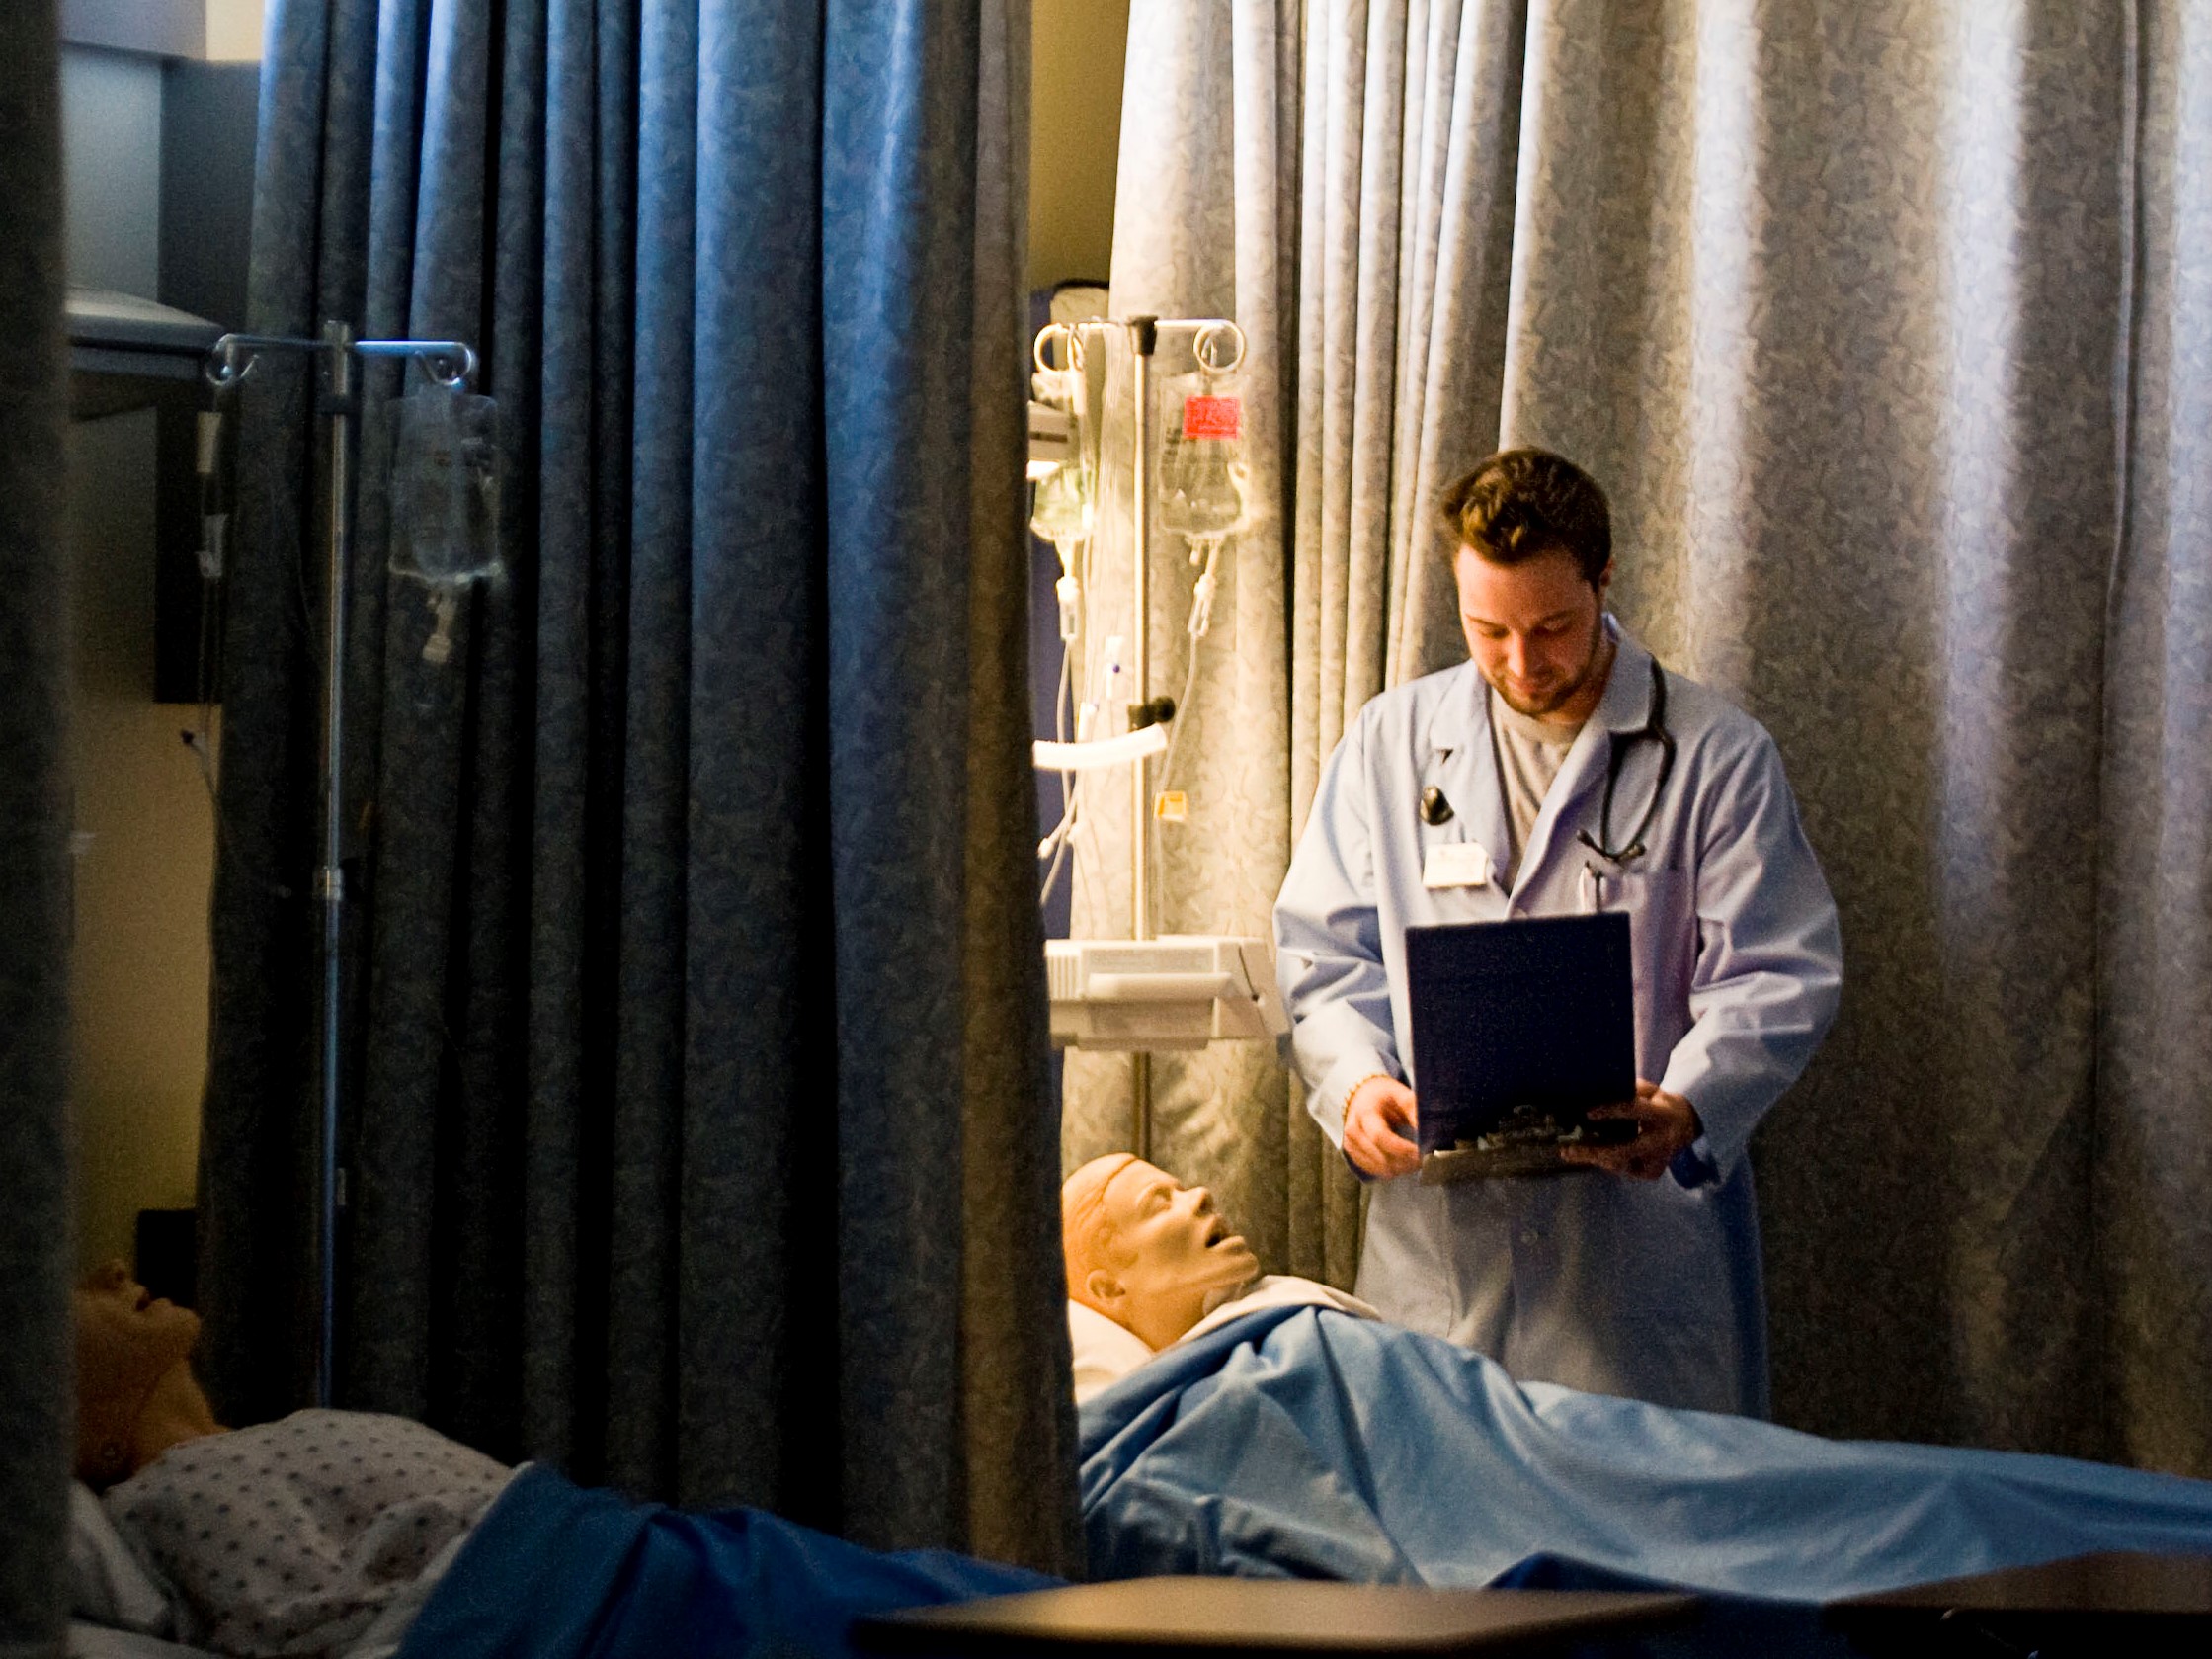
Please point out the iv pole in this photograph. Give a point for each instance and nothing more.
(1144, 339)
(452, 364)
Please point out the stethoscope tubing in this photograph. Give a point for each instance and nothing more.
(1435, 809)
(1654, 730)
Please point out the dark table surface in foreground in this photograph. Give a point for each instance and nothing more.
(1155, 1617)
(2090, 1604)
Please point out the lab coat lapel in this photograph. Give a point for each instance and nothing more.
(1624, 707)
(1462, 761)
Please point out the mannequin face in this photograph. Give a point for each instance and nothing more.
(1153, 1252)
(134, 1385)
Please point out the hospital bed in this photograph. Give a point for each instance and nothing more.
(1298, 1442)
(1308, 1443)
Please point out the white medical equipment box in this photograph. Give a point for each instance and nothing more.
(1176, 992)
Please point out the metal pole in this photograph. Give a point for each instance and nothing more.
(330, 880)
(451, 363)
(1144, 335)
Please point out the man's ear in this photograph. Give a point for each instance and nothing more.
(1103, 1289)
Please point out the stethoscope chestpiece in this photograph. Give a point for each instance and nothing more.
(1434, 809)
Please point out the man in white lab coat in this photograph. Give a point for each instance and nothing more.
(1479, 793)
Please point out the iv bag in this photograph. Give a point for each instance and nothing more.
(1202, 474)
(445, 487)
(1062, 508)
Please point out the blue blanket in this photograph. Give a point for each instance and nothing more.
(1303, 1441)
(557, 1571)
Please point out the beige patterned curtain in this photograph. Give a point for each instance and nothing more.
(1832, 299)
(2152, 1195)
(1885, 326)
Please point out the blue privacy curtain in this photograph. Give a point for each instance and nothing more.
(1887, 328)
(36, 1415)
(697, 1134)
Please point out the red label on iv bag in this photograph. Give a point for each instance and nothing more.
(1211, 417)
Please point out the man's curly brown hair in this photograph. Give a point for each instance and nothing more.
(1520, 504)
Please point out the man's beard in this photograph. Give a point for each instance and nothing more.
(1561, 695)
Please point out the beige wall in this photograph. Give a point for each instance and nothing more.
(1075, 135)
(234, 31)
(138, 983)
(145, 834)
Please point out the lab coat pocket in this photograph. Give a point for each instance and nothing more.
(1661, 906)
(1640, 885)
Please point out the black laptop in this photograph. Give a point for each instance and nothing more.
(1518, 1028)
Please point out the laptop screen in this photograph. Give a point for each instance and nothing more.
(1516, 1022)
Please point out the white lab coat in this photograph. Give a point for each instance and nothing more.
(1604, 1284)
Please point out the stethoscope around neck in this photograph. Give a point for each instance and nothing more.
(1653, 731)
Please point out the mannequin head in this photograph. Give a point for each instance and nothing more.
(135, 1392)
(1146, 1251)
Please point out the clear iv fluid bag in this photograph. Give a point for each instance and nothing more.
(1202, 459)
(1063, 504)
(445, 486)
(1062, 512)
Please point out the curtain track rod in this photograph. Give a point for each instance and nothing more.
(450, 363)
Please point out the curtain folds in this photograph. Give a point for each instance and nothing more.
(37, 1418)
(1832, 302)
(2154, 1158)
(1879, 324)
(696, 1135)
(1412, 145)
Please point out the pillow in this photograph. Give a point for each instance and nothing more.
(107, 1584)
(1104, 1353)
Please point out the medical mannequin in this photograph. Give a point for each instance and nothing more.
(1150, 1262)
(136, 1396)
(1149, 1252)
(331, 1532)
(348, 1508)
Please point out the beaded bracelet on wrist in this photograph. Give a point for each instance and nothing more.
(1389, 1077)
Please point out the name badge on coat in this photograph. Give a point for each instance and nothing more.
(1456, 864)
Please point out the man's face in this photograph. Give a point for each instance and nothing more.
(1534, 629)
(1172, 1241)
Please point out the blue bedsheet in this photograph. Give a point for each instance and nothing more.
(558, 1572)
(1303, 1441)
